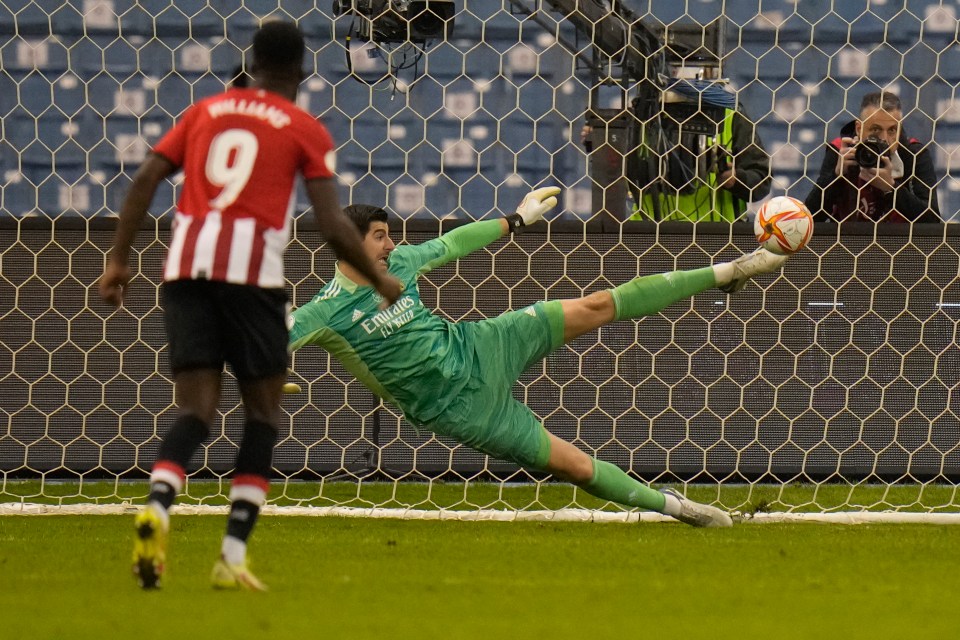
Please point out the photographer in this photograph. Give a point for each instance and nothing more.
(874, 172)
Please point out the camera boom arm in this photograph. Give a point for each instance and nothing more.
(614, 30)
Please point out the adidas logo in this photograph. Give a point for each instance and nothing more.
(530, 312)
(357, 314)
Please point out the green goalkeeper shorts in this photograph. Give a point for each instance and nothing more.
(485, 416)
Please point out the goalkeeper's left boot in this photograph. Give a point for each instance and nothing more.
(752, 264)
(234, 576)
(149, 547)
(699, 515)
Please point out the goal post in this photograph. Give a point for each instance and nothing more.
(823, 393)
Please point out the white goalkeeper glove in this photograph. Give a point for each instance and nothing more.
(533, 206)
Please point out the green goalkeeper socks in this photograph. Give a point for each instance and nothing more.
(611, 483)
(647, 295)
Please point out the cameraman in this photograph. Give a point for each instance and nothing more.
(874, 172)
(710, 184)
(737, 172)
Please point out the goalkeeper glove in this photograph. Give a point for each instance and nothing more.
(533, 206)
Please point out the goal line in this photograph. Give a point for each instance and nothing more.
(489, 515)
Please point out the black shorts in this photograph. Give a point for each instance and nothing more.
(209, 323)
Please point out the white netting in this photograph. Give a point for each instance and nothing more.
(830, 387)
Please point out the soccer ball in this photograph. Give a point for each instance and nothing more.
(783, 225)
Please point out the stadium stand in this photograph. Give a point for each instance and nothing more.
(512, 91)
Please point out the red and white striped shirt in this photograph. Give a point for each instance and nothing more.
(240, 152)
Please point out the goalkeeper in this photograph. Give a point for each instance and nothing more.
(455, 379)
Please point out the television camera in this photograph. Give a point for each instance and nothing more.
(397, 21)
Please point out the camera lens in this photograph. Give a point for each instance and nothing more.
(870, 150)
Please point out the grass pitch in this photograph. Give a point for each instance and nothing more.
(69, 577)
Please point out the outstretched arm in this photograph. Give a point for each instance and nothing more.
(476, 235)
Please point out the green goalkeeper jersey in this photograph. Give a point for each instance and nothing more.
(405, 354)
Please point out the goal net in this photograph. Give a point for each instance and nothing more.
(828, 388)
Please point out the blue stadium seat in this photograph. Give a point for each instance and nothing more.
(241, 23)
(407, 129)
(117, 185)
(314, 19)
(487, 20)
(518, 133)
(124, 58)
(353, 158)
(451, 148)
(206, 85)
(9, 158)
(368, 189)
(829, 103)
(225, 57)
(482, 60)
(19, 197)
(110, 98)
(197, 56)
(117, 17)
(441, 198)
(572, 99)
(533, 163)
(48, 55)
(19, 128)
(8, 95)
(174, 95)
(407, 198)
(70, 95)
(24, 19)
(426, 96)
(444, 63)
(126, 142)
(55, 144)
(572, 163)
(70, 191)
(536, 98)
(337, 123)
(103, 91)
(164, 200)
(949, 201)
(329, 59)
(947, 132)
(478, 199)
(87, 56)
(388, 162)
(186, 18)
(783, 20)
(948, 65)
(885, 64)
(34, 93)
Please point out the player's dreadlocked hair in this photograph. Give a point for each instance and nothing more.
(278, 48)
(363, 214)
